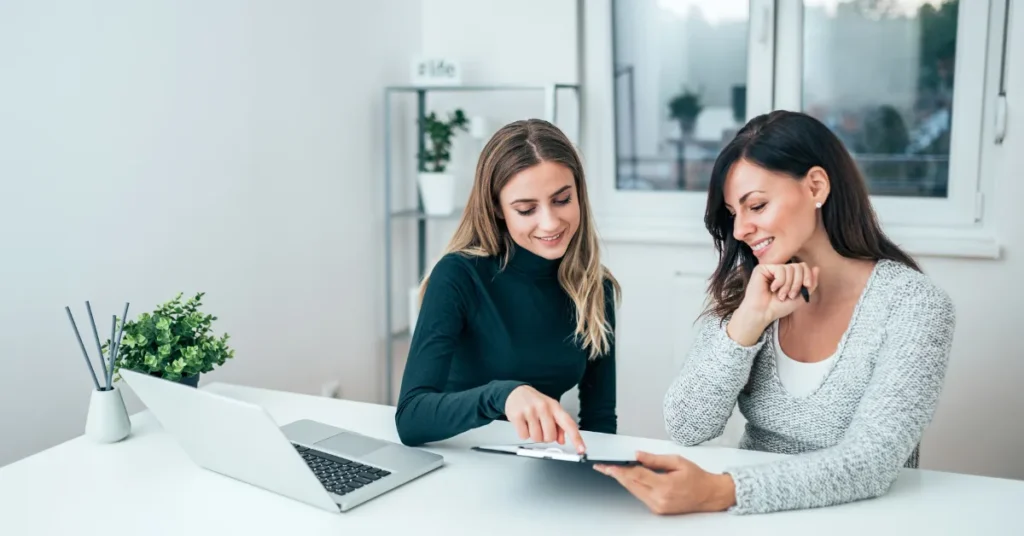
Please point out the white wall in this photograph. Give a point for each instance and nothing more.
(527, 42)
(232, 147)
(977, 428)
(524, 43)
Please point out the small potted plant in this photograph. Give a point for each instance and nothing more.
(437, 188)
(173, 342)
(684, 108)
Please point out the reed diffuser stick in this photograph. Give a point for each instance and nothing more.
(117, 347)
(99, 347)
(81, 345)
(110, 351)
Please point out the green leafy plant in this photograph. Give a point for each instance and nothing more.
(685, 108)
(437, 154)
(173, 342)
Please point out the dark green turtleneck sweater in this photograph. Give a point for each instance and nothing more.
(482, 332)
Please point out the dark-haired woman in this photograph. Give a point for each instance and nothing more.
(844, 377)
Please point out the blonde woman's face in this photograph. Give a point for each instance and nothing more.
(541, 209)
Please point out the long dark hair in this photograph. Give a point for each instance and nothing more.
(792, 143)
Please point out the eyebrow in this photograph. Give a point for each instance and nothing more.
(746, 195)
(560, 190)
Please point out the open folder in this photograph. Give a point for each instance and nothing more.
(554, 451)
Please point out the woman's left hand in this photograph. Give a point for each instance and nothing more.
(681, 488)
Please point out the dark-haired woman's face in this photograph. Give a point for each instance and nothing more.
(773, 213)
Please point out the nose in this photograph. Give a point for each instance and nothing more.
(549, 220)
(741, 228)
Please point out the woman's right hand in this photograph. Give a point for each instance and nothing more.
(541, 418)
(772, 293)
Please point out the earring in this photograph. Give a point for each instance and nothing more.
(817, 205)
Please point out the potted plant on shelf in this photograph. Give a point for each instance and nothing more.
(437, 188)
(684, 108)
(173, 342)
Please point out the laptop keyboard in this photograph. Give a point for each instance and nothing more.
(338, 475)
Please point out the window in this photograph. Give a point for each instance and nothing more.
(680, 93)
(880, 75)
(903, 83)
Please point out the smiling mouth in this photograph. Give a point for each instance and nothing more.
(551, 238)
(762, 244)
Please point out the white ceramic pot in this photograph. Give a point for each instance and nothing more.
(107, 421)
(438, 193)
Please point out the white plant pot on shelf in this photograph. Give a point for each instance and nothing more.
(438, 193)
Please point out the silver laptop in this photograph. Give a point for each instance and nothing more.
(319, 464)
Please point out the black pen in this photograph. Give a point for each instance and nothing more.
(805, 294)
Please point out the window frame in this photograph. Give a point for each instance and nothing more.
(951, 226)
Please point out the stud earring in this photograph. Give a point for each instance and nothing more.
(817, 205)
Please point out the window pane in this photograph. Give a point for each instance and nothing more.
(680, 88)
(879, 73)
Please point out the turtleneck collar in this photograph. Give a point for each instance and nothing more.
(530, 264)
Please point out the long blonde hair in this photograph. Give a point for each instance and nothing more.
(481, 233)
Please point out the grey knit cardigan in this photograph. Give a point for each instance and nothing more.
(852, 435)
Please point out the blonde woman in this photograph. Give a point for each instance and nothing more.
(519, 310)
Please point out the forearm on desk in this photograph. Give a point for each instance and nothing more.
(845, 473)
(424, 415)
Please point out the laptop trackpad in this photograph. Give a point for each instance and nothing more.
(346, 444)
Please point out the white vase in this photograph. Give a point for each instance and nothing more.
(438, 193)
(107, 421)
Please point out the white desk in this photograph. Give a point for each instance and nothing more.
(151, 488)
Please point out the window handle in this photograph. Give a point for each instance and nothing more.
(1000, 119)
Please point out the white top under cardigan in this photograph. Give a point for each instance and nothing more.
(798, 378)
